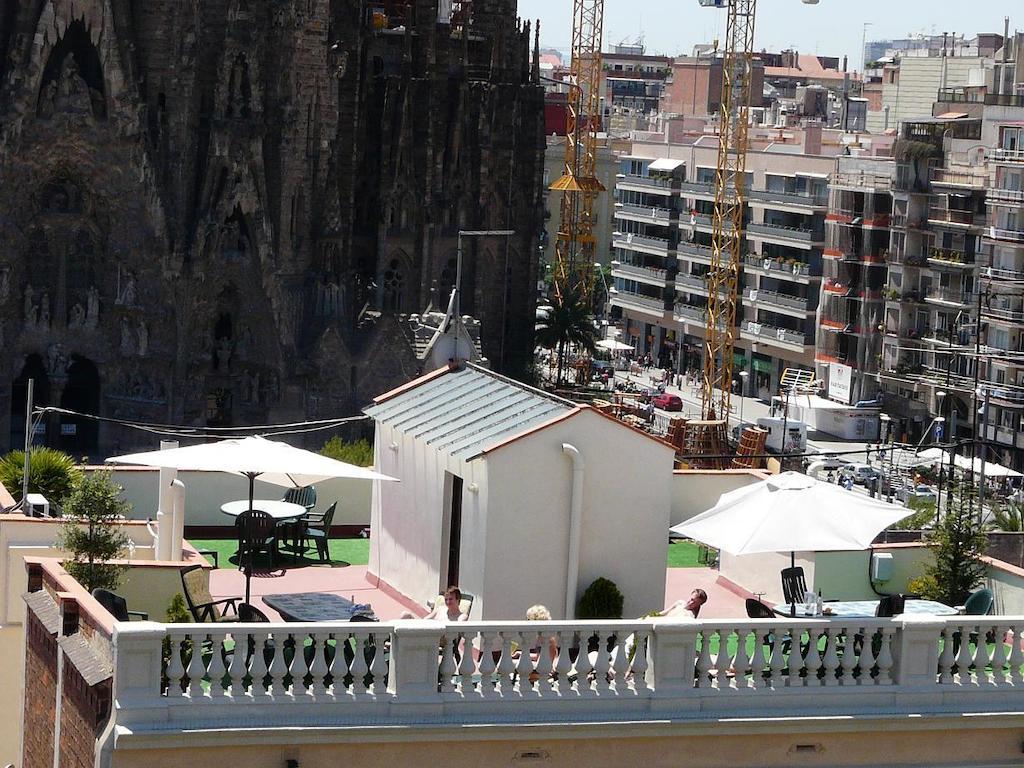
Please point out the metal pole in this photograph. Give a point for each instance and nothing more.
(981, 474)
(28, 446)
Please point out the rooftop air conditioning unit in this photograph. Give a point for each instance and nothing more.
(38, 505)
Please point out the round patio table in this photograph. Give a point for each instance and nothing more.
(279, 510)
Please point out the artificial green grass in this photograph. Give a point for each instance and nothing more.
(341, 551)
(684, 554)
(681, 554)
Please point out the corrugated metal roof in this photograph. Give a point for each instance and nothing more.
(467, 410)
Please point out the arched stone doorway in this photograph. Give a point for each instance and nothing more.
(79, 436)
(36, 370)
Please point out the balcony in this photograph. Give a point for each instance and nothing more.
(912, 259)
(764, 196)
(1009, 235)
(953, 216)
(691, 188)
(694, 252)
(777, 268)
(654, 275)
(1013, 197)
(657, 245)
(1008, 398)
(645, 213)
(955, 297)
(690, 312)
(760, 296)
(782, 336)
(686, 282)
(797, 234)
(1006, 155)
(630, 300)
(645, 184)
(950, 258)
(947, 177)
(861, 181)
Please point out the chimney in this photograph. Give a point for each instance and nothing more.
(844, 63)
(812, 139)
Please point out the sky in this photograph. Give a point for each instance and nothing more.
(831, 28)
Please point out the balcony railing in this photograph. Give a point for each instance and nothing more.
(797, 269)
(950, 257)
(778, 299)
(861, 180)
(948, 296)
(1011, 196)
(646, 212)
(1007, 155)
(627, 239)
(690, 312)
(393, 674)
(953, 178)
(647, 182)
(694, 251)
(901, 256)
(697, 188)
(638, 271)
(788, 198)
(791, 233)
(953, 216)
(691, 281)
(1013, 235)
(764, 331)
(628, 298)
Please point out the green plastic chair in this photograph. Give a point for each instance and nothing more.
(979, 603)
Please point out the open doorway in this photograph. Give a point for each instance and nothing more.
(79, 435)
(33, 369)
(451, 544)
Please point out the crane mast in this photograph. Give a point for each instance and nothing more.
(576, 246)
(727, 222)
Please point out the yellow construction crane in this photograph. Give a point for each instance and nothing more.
(576, 247)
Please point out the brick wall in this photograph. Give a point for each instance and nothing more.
(40, 694)
(84, 710)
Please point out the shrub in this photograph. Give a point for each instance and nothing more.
(602, 600)
(1009, 516)
(923, 516)
(52, 473)
(959, 542)
(359, 453)
(91, 533)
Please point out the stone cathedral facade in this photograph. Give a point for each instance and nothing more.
(230, 212)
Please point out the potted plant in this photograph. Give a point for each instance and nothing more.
(91, 533)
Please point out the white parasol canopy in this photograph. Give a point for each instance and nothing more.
(270, 460)
(612, 345)
(937, 455)
(791, 512)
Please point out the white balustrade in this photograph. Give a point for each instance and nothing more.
(478, 670)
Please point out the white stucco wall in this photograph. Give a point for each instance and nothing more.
(626, 502)
(206, 491)
(407, 535)
(696, 490)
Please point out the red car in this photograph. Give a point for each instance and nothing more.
(667, 402)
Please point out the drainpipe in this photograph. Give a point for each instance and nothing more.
(178, 518)
(164, 512)
(572, 575)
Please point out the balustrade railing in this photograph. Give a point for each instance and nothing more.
(291, 674)
(792, 233)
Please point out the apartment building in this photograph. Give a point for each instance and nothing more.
(662, 249)
(956, 262)
(850, 314)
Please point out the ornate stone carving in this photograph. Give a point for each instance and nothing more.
(5, 284)
(76, 318)
(127, 337)
(143, 334)
(92, 312)
(126, 298)
(30, 310)
(44, 311)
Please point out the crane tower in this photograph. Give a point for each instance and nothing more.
(575, 247)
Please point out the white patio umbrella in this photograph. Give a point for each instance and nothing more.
(937, 455)
(269, 460)
(612, 345)
(791, 512)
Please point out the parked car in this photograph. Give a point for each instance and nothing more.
(919, 492)
(668, 402)
(830, 462)
(862, 474)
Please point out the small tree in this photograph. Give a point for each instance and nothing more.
(958, 541)
(91, 532)
(52, 473)
(601, 600)
(569, 322)
(359, 453)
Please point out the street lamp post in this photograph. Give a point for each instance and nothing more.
(599, 268)
(743, 392)
(887, 465)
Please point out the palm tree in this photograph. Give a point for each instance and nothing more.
(568, 322)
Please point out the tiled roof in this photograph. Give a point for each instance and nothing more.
(467, 409)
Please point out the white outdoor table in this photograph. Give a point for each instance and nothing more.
(865, 609)
(279, 510)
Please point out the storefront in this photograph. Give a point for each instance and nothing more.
(762, 365)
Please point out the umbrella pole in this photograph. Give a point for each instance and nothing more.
(247, 535)
(793, 605)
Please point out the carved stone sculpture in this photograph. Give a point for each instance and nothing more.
(127, 338)
(143, 334)
(92, 312)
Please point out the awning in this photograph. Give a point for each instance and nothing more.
(812, 175)
(665, 164)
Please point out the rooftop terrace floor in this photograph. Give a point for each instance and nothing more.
(724, 599)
